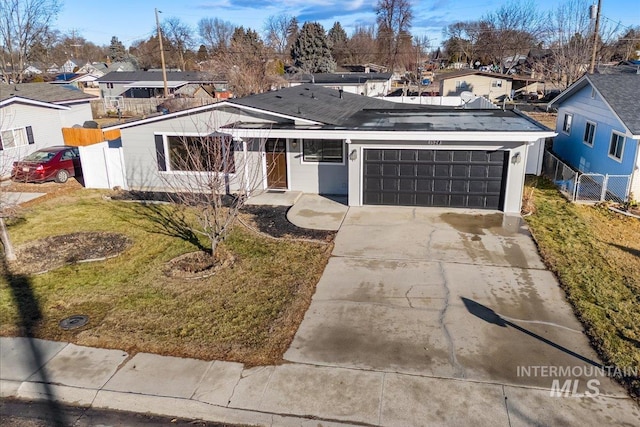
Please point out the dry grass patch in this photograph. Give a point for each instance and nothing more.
(248, 312)
(596, 255)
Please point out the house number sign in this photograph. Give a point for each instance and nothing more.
(432, 142)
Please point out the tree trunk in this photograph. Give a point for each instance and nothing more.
(9, 253)
(214, 247)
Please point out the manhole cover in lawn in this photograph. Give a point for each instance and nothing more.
(73, 322)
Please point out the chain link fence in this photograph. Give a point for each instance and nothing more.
(562, 175)
(594, 187)
(585, 187)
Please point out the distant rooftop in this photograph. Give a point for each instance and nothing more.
(44, 92)
(146, 76)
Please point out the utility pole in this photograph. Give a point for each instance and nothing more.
(595, 38)
(164, 69)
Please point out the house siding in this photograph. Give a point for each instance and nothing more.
(478, 85)
(318, 178)
(592, 159)
(45, 124)
(78, 114)
(139, 151)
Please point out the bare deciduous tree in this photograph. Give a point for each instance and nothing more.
(216, 176)
(394, 22)
(276, 30)
(215, 34)
(361, 47)
(180, 36)
(22, 24)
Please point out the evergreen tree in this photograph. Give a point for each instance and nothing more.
(338, 39)
(311, 52)
(117, 52)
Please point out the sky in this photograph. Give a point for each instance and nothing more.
(132, 20)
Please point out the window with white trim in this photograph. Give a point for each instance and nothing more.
(201, 154)
(461, 84)
(566, 125)
(496, 83)
(616, 146)
(323, 150)
(589, 133)
(18, 137)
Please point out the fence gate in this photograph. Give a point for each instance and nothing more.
(595, 187)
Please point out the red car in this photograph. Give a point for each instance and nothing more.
(48, 164)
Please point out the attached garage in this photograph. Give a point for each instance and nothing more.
(434, 177)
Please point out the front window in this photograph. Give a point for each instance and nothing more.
(589, 133)
(201, 154)
(616, 147)
(496, 83)
(13, 138)
(322, 150)
(461, 84)
(566, 125)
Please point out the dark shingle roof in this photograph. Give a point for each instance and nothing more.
(44, 92)
(316, 103)
(134, 76)
(622, 93)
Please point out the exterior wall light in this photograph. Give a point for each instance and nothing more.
(353, 155)
(516, 158)
(294, 143)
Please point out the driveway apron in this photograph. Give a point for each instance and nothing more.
(449, 294)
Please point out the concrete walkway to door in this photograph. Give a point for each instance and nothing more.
(455, 306)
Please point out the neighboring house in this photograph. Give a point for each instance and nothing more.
(598, 126)
(32, 116)
(150, 84)
(367, 84)
(73, 65)
(318, 140)
(494, 86)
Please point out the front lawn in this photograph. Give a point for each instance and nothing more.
(246, 312)
(596, 255)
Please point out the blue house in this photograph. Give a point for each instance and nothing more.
(598, 127)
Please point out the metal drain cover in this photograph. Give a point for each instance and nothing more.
(73, 322)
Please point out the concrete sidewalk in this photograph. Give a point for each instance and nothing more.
(285, 395)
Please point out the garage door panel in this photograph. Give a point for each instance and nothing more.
(424, 185)
(477, 171)
(442, 171)
(447, 178)
(408, 170)
(390, 184)
(461, 156)
(460, 171)
(494, 171)
(442, 156)
(373, 155)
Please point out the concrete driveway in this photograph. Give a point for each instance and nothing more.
(461, 295)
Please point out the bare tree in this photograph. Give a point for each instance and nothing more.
(394, 22)
(217, 176)
(215, 34)
(180, 36)
(22, 24)
(276, 29)
(361, 47)
(514, 28)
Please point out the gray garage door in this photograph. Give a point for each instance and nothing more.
(451, 178)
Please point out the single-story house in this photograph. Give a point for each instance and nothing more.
(367, 84)
(598, 126)
(32, 116)
(318, 140)
(493, 86)
(150, 84)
